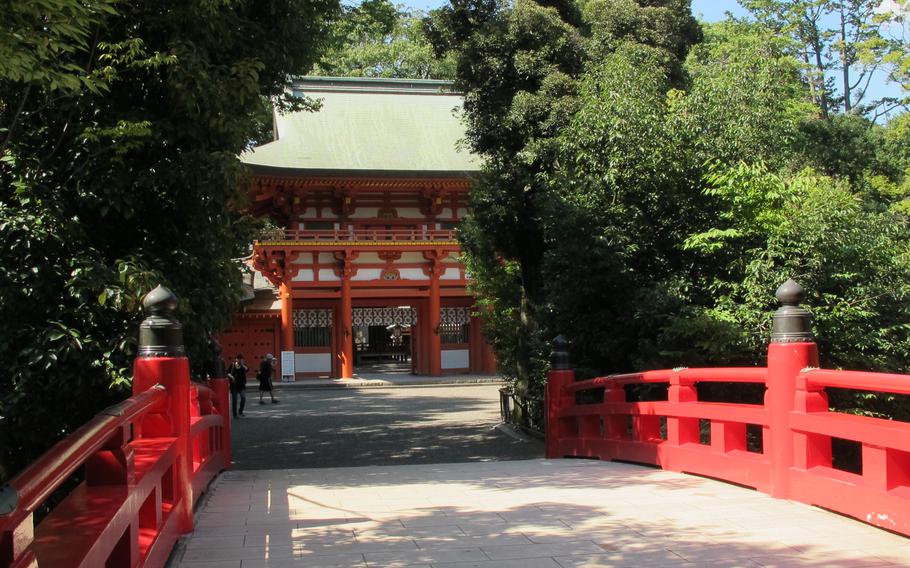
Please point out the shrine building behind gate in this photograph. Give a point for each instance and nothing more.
(363, 269)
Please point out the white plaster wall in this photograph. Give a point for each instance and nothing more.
(412, 274)
(412, 257)
(455, 359)
(313, 362)
(367, 274)
(368, 258)
(326, 258)
(365, 213)
(409, 213)
(305, 275)
(309, 213)
(304, 258)
(327, 274)
(461, 213)
(451, 258)
(445, 213)
(451, 274)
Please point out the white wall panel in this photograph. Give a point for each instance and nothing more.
(328, 274)
(409, 213)
(313, 362)
(412, 257)
(305, 275)
(412, 274)
(451, 274)
(368, 258)
(365, 213)
(455, 359)
(367, 274)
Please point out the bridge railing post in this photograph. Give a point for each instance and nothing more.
(556, 398)
(791, 350)
(162, 360)
(222, 402)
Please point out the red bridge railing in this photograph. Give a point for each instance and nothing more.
(793, 459)
(363, 235)
(145, 462)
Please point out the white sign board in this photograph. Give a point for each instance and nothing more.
(287, 367)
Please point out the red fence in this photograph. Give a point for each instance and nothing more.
(359, 235)
(793, 459)
(146, 461)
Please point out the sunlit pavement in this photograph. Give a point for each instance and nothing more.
(521, 514)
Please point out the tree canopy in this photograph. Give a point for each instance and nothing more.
(649, 182)
(121, 124)
(376, 38)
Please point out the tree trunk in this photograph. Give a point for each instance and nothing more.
(530, 259)
(814, 42)
(845, 62)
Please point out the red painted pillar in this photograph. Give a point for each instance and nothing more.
(555, 397)
(475, 362)
(162, 360)
(287, 317)
(347, 325)
(791, 350)
(435, 341)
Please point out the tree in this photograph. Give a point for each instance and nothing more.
(519, 66)
(852, 262)
(376, 39)
(122, 123)
(892, 48)
(516, 66)
(842, 37)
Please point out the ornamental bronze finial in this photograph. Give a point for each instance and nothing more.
(791, 323)
(160, 334)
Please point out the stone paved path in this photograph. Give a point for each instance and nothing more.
(385, 426)
(516, 514)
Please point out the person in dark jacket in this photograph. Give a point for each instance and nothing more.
(237, 374)
(266, 371)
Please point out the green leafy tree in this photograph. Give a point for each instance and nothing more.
(121, 126)
(517, 65)
(377, 39)
(853, 263)
(844, 45)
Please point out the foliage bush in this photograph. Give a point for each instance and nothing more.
(120, 127)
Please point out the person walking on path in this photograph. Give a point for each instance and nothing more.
(266, 370)
(237, 373)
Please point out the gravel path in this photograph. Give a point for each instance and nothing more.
(388, 426)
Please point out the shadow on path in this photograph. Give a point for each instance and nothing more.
(359, 427)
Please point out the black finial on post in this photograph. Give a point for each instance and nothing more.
(559, 357)
(791, 322)
(160, 334)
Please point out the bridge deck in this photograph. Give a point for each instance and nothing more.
(521, 514)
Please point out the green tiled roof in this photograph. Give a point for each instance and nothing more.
(370, 125)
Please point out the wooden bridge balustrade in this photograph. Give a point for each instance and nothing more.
(795, 460)
(146, 461)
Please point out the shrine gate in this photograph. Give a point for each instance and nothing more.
(363, 264)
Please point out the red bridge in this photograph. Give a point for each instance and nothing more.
(147, 460)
